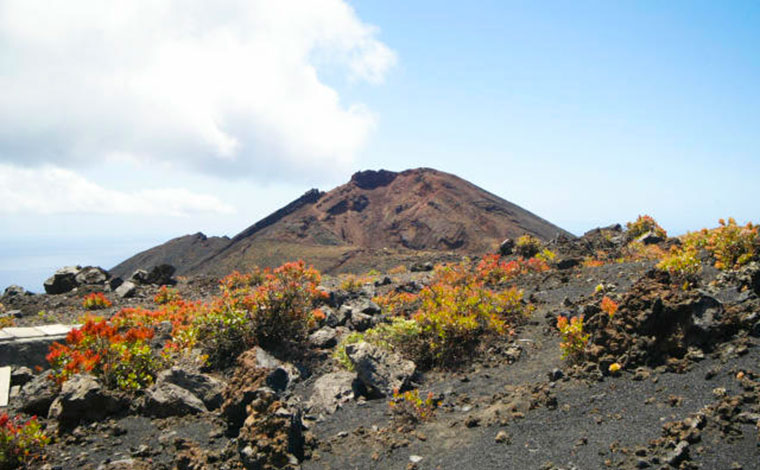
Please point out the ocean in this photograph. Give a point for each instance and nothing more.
(29, 261)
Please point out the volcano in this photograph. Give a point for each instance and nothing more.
(377, 218)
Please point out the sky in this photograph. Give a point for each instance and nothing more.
(125, 124)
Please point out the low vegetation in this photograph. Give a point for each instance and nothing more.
(96, 301)
(21, 441)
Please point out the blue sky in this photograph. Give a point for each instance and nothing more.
(167, 119)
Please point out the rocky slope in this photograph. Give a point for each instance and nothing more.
(355, 226)
(686, 395)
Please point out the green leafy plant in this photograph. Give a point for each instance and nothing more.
(340, 352)
(528, 246)
(21, 441)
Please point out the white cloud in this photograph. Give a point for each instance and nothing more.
(52, 190)
(229, 87)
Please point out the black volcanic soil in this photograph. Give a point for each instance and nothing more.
(505, 409)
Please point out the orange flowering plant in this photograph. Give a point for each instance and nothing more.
(120, 360)
(20, 441)
(96, 301)
(609, 306)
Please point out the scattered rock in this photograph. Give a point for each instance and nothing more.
(421, 267)
(166, 399)
(503, 437)
(161, 275)
(126, 289)
(555, 375)
(21, 376)
(37, 395)
(507, 247)
(324, 338)
(83, 398)
(64, 280)
(381, 371)
(92, 275)
(331, 390)
(14, 290)
(203, 386)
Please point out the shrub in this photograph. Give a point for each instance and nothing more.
(528, 246)
(400, 269)
(609, 306)
(732, 245)
(267, 307)
(352, 283)
(681, 262)
(454, 318)
(546, 255)
(574, 340)
(492, 270)
(20, 441)
(123, 361)
(165, 295)
(340, 352)
(96, 301)
(410, 408)
(637, 251)
(642, 225)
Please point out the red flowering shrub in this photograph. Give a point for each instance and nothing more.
(492, 270)
(165, 295)
(96, 301)
(120, 360)
(609, 306)
(20, 441)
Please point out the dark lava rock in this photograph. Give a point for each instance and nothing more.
(507, 247)
(380, 370)
(324, 338)
(568, 263)
(14, 290)
(37, 395)
(92, 275)
(203, 386)
(82, 398)
(331, 390)
(166, 399)
(126, 289)
(64, 280)
(161, 275)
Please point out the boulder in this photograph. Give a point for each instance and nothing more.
(14, 290)
(281, 375)
(161, 275)
(331, 390)
(365, 306)
(650, 238)
(361, 321)
(421, 267)
(82, 398)
(568, 263)
(706, 317)
(203, 386)
(507, 247)
(126, 289)
(92, 275)
(140, 276)
(21, 376)
(324, 338)
(381, 371)
(37, 395)
(166, 399)
(64, 280)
